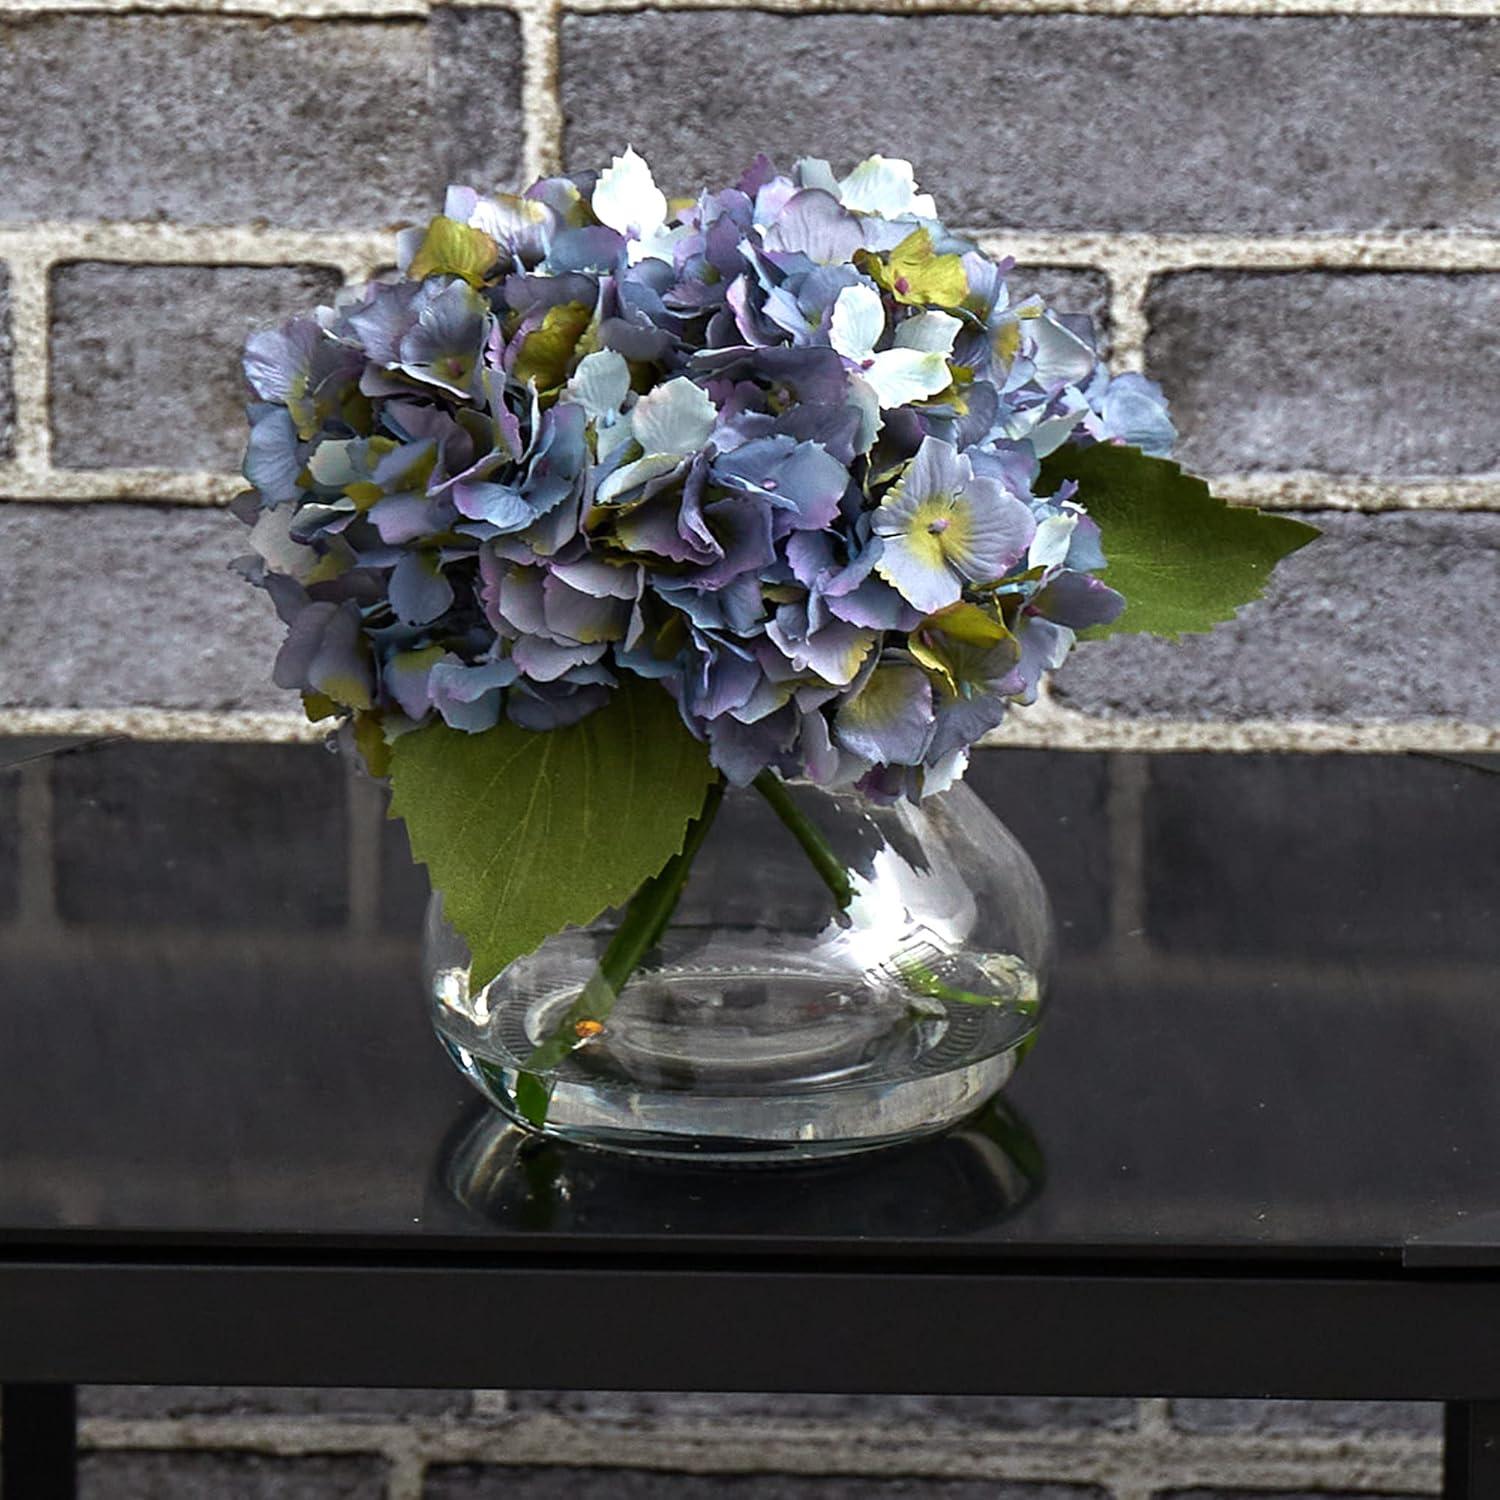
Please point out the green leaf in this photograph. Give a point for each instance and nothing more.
(526, 833)
(1183, 560)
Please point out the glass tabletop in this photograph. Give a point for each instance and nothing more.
(1274, 1031)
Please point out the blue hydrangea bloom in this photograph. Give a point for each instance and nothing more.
(774, 447)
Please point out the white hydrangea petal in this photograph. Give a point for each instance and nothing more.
(900, 376)
(1044, 433)
(866, 403)
(332, 462)
(272, 540)
(1059, 356)
(509, 220)
(627, 198)
(814, 172)
(1049, 547)
(674, 418)
(657, 244)
(609, 440)
(632, 476)
(880, 185)
(600, 384)
(858, 322)
(931, 332)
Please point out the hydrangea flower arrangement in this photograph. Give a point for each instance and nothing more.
(777, 481)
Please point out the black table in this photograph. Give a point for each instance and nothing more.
(1257, 1151)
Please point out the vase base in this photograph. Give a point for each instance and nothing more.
(743, 1065)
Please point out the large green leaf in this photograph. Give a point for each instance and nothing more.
(526, 833)
(1183, 560)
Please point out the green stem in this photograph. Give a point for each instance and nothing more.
(645, 920)
(920, 978)
(833, 870)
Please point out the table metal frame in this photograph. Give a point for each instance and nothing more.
(943, 1325)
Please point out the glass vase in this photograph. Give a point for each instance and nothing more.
(836, 975)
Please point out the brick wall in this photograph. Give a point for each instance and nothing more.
(1291, 220)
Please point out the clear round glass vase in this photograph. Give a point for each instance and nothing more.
(779, 1015)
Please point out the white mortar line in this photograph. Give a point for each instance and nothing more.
(1307, 489)
(380, 9)
(1129, 326)
(259, 726)
(1058, 727)
(286, 10)
(244, 244)
(23, 481)
(31, 424)
(1133, 252)
(1154, 1416)
(1298, 490)
(149, 243)
(404, 1480)
(541, 97)
(1295, 490)
(1134, 1460)
(1330, 8)
(1044, 726)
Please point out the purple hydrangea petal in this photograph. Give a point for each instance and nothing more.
(502, 505)
(273, 457)
(888, 718)
(813, 223)
(1078, 600)
(419, 590)
(469, 697)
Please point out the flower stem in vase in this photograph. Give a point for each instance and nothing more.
(645, 920)
(834, 871)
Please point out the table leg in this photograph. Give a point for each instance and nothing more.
(39, 1442)
(1471, 1450)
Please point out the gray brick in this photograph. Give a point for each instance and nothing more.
(476, 97)
(130, 605)
(996, 1413)
(1326, 370)
(1247, 123)
(1376, 619)
(137, 826)
(1326, 900)
(1300, 1418)
(7, 392)
(210, 120)
(1069, 290)
(474, 1482)
(147, 1402)
(227, 1476)
(146, 359)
